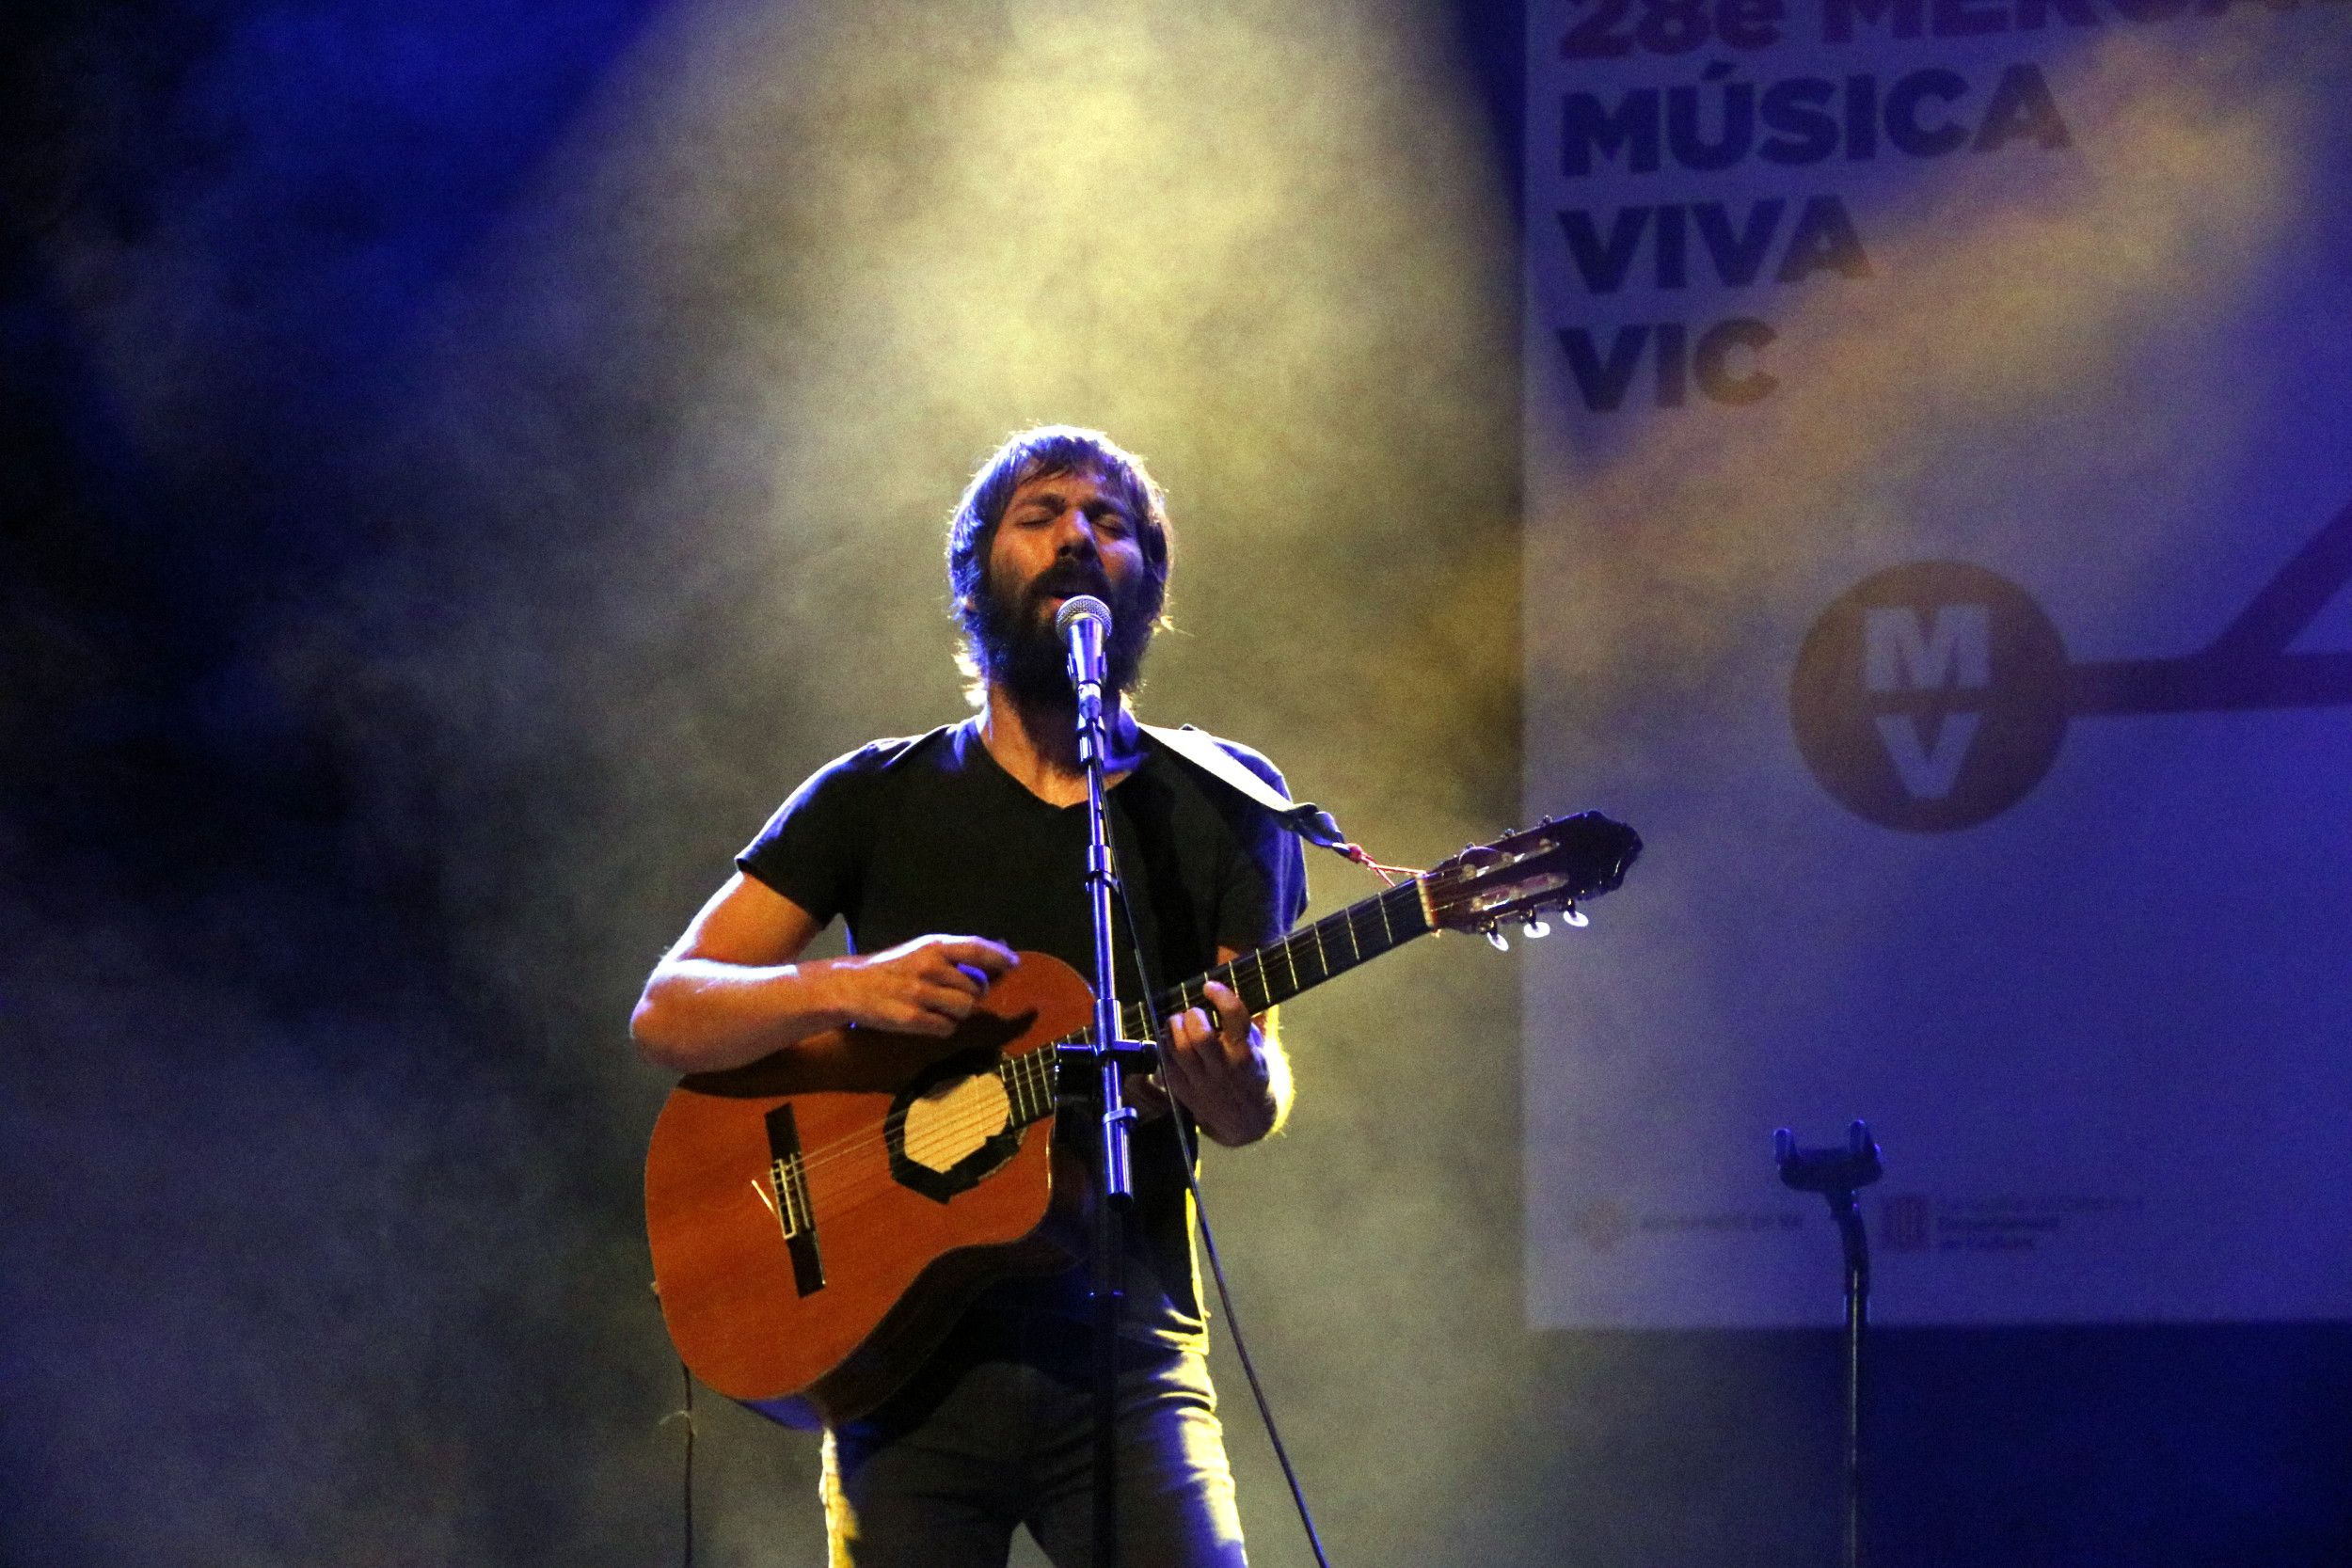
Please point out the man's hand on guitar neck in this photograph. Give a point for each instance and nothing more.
(1232, 1075)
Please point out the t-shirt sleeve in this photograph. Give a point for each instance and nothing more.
(1265, 891)
(813, 848)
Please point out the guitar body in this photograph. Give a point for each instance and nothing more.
(821, 1217)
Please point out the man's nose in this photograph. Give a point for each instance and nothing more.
(1075, 534)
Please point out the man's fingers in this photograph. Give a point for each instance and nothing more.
(992, 959)
(1182, 1047)
(965, 979)
(954, 999)
(1188, 1033)
(1232, 1019)
(926, 1008)
(914, 1018)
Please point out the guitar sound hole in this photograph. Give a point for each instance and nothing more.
(950, 1123)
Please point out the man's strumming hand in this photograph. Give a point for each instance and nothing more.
(924, 987)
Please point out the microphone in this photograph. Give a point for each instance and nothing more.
(1083, 623)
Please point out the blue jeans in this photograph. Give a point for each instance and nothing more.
(998, 1431)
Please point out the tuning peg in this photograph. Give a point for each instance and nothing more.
(1501, 943)
(1575, 917)
(1535, 928)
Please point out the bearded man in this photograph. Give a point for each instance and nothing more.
(946, 855)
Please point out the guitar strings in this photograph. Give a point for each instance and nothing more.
(985, 1117)
(862, 1142)
(865, 1151)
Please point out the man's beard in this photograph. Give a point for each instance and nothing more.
(1021, 650)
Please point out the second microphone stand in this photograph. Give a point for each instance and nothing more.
(1837, 1174)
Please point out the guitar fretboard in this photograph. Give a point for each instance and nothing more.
(1306, 957)
(1262, 978)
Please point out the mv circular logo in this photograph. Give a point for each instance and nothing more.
(1929, 697)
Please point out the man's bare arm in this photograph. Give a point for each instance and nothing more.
(731, 990)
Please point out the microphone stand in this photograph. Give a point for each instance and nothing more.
(1836, 1174)
(1083, 621)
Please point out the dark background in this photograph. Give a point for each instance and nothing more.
(368, 722)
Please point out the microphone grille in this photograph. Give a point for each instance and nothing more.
(1085, 607)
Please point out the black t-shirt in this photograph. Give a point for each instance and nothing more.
(904, 838)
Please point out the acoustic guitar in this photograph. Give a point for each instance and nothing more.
(821, 1217)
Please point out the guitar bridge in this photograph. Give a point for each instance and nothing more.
(788, 1182)
(788, 1175)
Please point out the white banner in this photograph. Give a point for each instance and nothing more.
(1939, 498)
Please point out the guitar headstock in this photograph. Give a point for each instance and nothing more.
(1521, 877)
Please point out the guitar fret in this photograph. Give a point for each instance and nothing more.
(1016, 1076)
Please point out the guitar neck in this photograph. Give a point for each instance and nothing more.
(1302, 960)
(1262, 977)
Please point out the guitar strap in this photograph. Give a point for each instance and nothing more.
(1303, 817)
